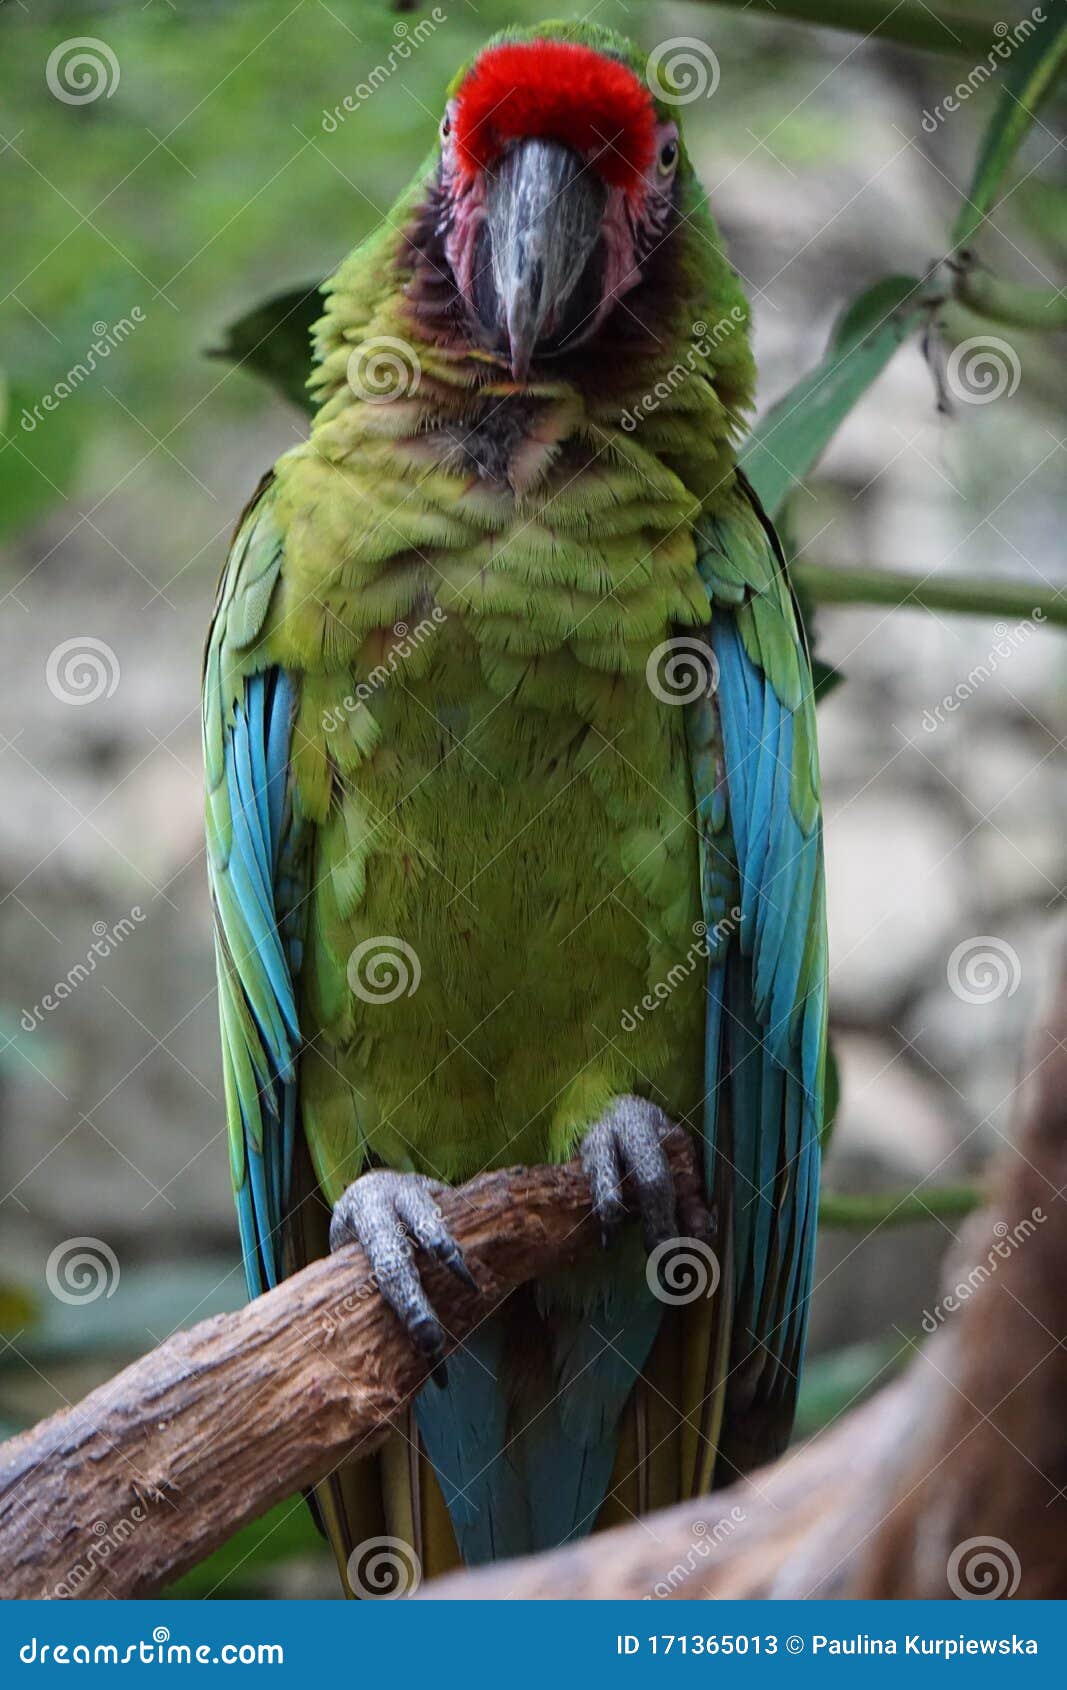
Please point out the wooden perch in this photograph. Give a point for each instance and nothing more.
(952, 1481)
(120, 1494)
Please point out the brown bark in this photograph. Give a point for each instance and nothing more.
(120, 1494)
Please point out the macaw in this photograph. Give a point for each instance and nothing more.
(513, 819)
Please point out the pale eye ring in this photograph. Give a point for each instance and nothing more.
(668, 157)
(446, 127)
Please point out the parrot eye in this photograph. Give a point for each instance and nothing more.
(446, 127)
(668, 157)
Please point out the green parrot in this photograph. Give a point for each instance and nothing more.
(513, 818)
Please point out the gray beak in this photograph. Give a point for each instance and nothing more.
(544, 212)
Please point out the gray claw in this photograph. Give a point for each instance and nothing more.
(386, 1212)
(628, 1144)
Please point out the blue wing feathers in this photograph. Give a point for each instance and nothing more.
(463, 1428)
(764, 1047)
(264, 895)
(279, 730)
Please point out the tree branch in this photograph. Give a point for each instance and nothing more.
(120, 1494)
(1039, 309)
(965, 595)
(896, 1208)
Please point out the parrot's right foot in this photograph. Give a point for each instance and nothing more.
(387, 1213)
(626, 1148)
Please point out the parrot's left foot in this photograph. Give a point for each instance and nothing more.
(387, 1213)
(627, 1145)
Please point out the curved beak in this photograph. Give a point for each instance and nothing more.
(544, 211)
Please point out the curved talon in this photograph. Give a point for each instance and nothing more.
(386, 1212)
(628, 1144)
(428, 1228)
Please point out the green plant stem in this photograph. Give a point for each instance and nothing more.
(910, 23)
(897, 1208)
(1007, 302)
(965, 596)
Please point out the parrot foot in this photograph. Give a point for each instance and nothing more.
(627, 1145)
(387, 1213)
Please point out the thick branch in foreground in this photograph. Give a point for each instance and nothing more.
(120, 1494)
(951, 1482)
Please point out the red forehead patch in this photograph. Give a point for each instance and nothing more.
(563, 92)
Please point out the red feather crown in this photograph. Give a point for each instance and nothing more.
(561, 91)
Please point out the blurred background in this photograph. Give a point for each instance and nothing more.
(214, 166)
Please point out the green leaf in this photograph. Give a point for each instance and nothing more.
(1027, 83)
(825, 679)
(1043, 206)
(273, 341)
(791, 438)
(18, 1309)
(832, 1087)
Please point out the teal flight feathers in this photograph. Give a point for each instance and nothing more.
(513, 815)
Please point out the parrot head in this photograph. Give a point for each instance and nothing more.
(558, 178)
